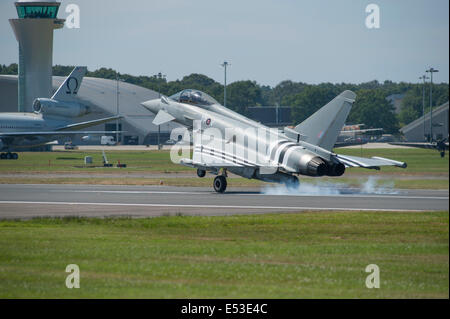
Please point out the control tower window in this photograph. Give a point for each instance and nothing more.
(37, 12)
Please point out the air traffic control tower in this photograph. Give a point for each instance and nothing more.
(34, 32)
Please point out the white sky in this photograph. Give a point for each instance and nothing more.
(267, 41)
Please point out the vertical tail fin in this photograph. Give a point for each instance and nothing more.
(323, 127)
(69, 89)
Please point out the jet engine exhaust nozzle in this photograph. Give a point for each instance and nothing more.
(336, 170)
(317, 167)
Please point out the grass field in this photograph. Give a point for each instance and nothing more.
(419, 161)
(423, 165)
(305, 255)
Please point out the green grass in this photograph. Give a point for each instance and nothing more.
(421, 165)
(73, 161)
(304, 255)
(419, 161)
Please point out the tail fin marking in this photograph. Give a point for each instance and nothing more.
(69, 88)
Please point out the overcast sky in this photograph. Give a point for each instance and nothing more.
(267, 41)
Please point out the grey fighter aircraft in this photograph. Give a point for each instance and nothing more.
(52, 119)
(225, 141)
(440, 145)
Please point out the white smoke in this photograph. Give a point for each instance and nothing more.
(369, 186)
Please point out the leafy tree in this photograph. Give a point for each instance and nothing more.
(307, 102)
(370, 108)
(373, 109)
(12, 69)
(242, 94)
(286, 89)
(411, 107)
(103, 73)
(62, 70)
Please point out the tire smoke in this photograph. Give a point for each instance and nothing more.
(369, 186)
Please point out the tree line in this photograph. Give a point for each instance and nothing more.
(371, 106)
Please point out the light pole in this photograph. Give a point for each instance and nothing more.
(431, 70)
(225, 64)
(424, 78)
(117, 110)
(160, 78)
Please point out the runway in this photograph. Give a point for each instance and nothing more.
(28, 201)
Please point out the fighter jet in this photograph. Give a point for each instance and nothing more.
(52, 119)
(440, 145)
(225, 141)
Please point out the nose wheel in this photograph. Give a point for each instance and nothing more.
(220, 184)
(201, 173)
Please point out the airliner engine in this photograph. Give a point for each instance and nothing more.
(49, 107)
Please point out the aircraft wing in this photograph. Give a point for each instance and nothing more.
(56, 133)
(207, 164)
(31, 139)
(344, 144)
(370, 163)
(419, 145)
(82, 125)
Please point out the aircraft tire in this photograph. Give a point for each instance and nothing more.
(442, 154)
(201, 173)
(3, 156)
(15, 156)
(293, 183)
(220, 184)
(9, 156)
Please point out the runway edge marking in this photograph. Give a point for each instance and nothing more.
(215, 206)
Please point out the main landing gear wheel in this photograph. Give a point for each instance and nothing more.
(3, 156)
(220, 184)
(201, 172)
(292, 183)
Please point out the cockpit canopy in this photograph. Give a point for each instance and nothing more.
(193, 97)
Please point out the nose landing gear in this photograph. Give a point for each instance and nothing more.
(201, 173)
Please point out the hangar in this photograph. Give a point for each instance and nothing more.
(414, 131)
(104, 97)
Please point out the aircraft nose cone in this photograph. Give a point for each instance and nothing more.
(152, 105)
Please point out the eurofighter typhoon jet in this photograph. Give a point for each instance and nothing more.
(225, 141)
(52, 119)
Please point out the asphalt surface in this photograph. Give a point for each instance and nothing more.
(28, 201)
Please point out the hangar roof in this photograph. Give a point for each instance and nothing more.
(419, 122)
